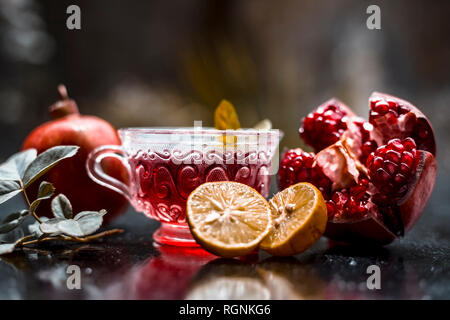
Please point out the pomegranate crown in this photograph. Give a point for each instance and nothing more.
(65, 106)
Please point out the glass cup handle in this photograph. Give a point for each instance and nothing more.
(96, 173)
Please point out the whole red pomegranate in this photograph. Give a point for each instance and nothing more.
(69, 177)
(376, 176)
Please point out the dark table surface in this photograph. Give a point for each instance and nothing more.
(130, 266)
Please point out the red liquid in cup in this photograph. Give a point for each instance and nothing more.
(163, 184)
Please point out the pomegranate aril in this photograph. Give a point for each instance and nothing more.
(381, 107)
(390, 167)
(381, 151)
(382, 176)
(387, 188)
(409, 144)
(397, 166)
(308, 160)
(381, 199)
(397, 145)
(373, 101)
(361, 208)
(330, 208)
(368, 147)
(402, 109)
(391, 117)
(303, 174)
(407, 158)
(393, 156)
(400, 179)
(364, 182)
(392, 103)
(377, 163)
(405, 169)
(340, 198)
(358, 192)
(298, 166)
(324, 126)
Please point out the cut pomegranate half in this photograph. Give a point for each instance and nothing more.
(376, 176)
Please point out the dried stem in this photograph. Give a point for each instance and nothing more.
(75, 239)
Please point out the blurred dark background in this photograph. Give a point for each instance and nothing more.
(168, 63)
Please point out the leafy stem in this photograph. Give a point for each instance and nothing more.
(17, 174)
(32, 211)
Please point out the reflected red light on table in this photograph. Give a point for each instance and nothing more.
(166, 276)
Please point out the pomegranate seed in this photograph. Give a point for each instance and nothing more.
(407, 158)
(381, 107)
(373, 102)
(352, 203)
(402, 109)
(298, 166)
(393, 156)
(361, 208)
(364, 182)
(358, 192)
(391, 168)
(324, 126)
(396, 145)
(392, 103)
(399, 179)
(303, 175)
(382, 176)
(391, 117)
(377, 163)
(404, 168)
(370, 159)
(381, 151)
(330, 208)
(409, 144)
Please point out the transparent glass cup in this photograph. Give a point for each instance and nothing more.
(166, 164)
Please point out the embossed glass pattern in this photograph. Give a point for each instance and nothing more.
(166, 165)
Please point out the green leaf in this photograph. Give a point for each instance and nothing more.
(7, 248)
(70, 227)
(10, 240)
(89, 221)
(45, 161)
(8, 189)
(8, 171)
(84, 223)
(61, 207)
(45, 191)
(23, 160)
(14, 167)
(51, 226)
(34, 228)
(13, 220)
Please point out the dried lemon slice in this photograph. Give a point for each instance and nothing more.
(227, 218)
(299, 218)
